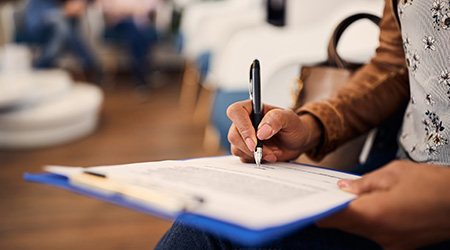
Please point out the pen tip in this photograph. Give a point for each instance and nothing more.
(258, 156)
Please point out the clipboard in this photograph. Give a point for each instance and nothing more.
(219, 228)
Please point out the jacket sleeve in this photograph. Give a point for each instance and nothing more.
(373, 93)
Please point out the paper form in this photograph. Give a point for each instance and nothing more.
(240, 193)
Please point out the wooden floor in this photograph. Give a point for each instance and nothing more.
(35, 216)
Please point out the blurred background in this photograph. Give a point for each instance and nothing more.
(101, 82)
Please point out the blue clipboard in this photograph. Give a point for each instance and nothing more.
(222, 229)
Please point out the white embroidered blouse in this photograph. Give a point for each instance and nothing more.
(425, 135)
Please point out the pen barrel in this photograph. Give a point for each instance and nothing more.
(259, 143)
(256, 120)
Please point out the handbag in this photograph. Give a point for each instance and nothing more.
(322, 81)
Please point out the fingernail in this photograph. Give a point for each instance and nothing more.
(344, 185)
(250, 144)
(264, 132)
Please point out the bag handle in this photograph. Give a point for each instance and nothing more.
(333, 57)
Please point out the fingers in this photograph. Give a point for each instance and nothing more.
(239, 114)
(382, 179)
(242, 135)
(240, 149)
(366, 184)
(243, 156)
(238, 144)
(274, 121)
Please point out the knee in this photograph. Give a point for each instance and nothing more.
(180, 236)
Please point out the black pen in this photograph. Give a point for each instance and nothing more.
(257, 106)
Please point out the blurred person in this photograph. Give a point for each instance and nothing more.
(403, 205)
(128, 23)
(53, 25)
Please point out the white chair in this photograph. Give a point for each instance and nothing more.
(205, 27)
(29, 88)
(206, 23)
(60, 119)
(15, 84)
(284, 49)
(40, 108)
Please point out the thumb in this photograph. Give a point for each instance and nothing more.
(272, 122)
(379, 180)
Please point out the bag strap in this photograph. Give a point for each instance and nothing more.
(333, 57)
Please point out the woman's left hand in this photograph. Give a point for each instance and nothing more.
(403, 205)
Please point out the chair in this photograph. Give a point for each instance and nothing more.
(282, 50)
(56, 120)
(205, 27)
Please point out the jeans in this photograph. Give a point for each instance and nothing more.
(54, 33)
(183, 237)
(137, 40)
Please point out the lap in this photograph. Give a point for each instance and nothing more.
(185, 237)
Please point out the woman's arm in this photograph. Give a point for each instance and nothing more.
(374, 93)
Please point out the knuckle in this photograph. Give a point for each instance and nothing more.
(233, 137)
(231, 110)
(234, 108)
(235, 151)
(246, 133)
(359, 186)
(246, 159)
(276, 114)
(277, 117)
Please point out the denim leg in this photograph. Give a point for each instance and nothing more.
(137, 40)
(138, 49)
(312, 238)
(79, 47)
(58, 32)
(181, 237)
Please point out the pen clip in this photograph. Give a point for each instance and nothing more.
(255, 86)
(250, 85)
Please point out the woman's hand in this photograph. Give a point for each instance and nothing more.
(404, 205)
(285, 134)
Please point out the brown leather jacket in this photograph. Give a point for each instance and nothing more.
(374, 93)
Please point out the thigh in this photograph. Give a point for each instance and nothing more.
(184, 237)
(181, 236)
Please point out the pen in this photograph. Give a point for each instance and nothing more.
(257, 106)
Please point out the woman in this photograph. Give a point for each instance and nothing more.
(403, 205)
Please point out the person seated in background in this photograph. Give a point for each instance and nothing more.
(128, 23)
(53, 26)
(403, 205)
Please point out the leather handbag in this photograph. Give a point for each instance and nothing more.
(322, 81)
